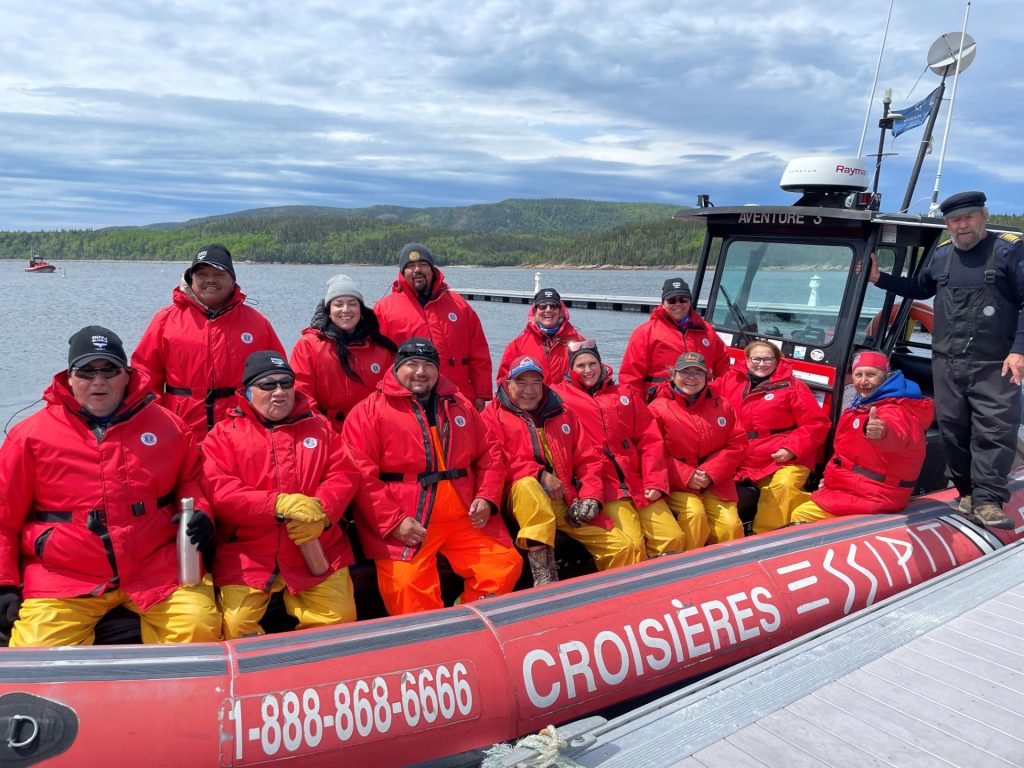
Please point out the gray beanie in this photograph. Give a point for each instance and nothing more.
(342, 285)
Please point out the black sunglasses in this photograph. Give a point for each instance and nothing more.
(107, 372)
(270, 386)
(678, 300)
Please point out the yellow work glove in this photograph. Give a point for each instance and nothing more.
(303, 533)
(298, 506)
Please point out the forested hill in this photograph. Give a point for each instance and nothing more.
(508, 233)
(552, 215)
(513, 232)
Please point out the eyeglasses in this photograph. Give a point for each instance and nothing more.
(547, 307)
(576, 346)
(678, 300)
(692, 373)
(761, 360)
(107, 372)
(270, 386)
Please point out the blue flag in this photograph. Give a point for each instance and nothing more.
(915, 115)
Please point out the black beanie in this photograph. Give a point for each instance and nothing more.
(259, 364)
(415, 252)
(417, 348)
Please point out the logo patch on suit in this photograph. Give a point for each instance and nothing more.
(148, 438)
(460, 421)
(856, 423)
(310, 442)
(565, 428)
(247, 337)
(988, 311)
(452, 316)
(624, 400)
(721, 421)
(375, 368)
(705, 342)
(770, 396)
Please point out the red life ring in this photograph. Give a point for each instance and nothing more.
(919, 313)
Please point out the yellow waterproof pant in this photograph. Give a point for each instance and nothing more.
(332, 601)
(187, 615)
(488, 567)
(540, 516)
(653, 530)
(808, 512)
(781, 493)
(705, 519)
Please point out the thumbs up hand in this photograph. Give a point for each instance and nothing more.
(875, 428)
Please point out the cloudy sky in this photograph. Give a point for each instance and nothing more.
(142, 111)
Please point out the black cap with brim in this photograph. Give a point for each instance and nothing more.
(216, 256)
(675, 286)
(962, 203)
(94, 342)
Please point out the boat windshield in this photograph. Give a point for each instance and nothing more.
(787, 290)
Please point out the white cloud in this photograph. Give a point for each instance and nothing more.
(177, 110)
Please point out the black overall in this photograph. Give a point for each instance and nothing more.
(976, 407)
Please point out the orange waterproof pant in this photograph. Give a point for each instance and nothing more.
(488, 567)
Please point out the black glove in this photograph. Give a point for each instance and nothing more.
(200, 531)
(10, 602)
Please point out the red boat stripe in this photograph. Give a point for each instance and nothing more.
(358, 629)
(321, 650)
(626, 583)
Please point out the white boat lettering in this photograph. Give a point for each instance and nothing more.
(772, 218)
(298, 721)
(692, 630)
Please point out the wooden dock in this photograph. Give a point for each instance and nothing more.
(571, 300)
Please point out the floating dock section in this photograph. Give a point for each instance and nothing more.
(572, 300)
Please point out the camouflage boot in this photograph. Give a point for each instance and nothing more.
(543, 566)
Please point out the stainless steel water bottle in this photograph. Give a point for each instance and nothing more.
(189, 571)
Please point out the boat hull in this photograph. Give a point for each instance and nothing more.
(401, 690)
(41, 268)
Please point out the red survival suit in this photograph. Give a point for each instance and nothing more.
(575, 458)
(553, 349)
(655, 346)
(781, 412)
(319, 374)
(387, 433)
(877, 475)
(88, 515)
(450, 323)
(247, 463)
(194, 357)
(623, 426)
(702, 435)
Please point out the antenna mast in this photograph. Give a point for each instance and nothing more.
(874, 83)
(965, 40)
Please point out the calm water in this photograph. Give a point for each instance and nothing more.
(39, 312)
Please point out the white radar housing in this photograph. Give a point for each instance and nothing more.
(827, 174)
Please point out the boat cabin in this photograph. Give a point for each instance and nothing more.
(798, 276)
